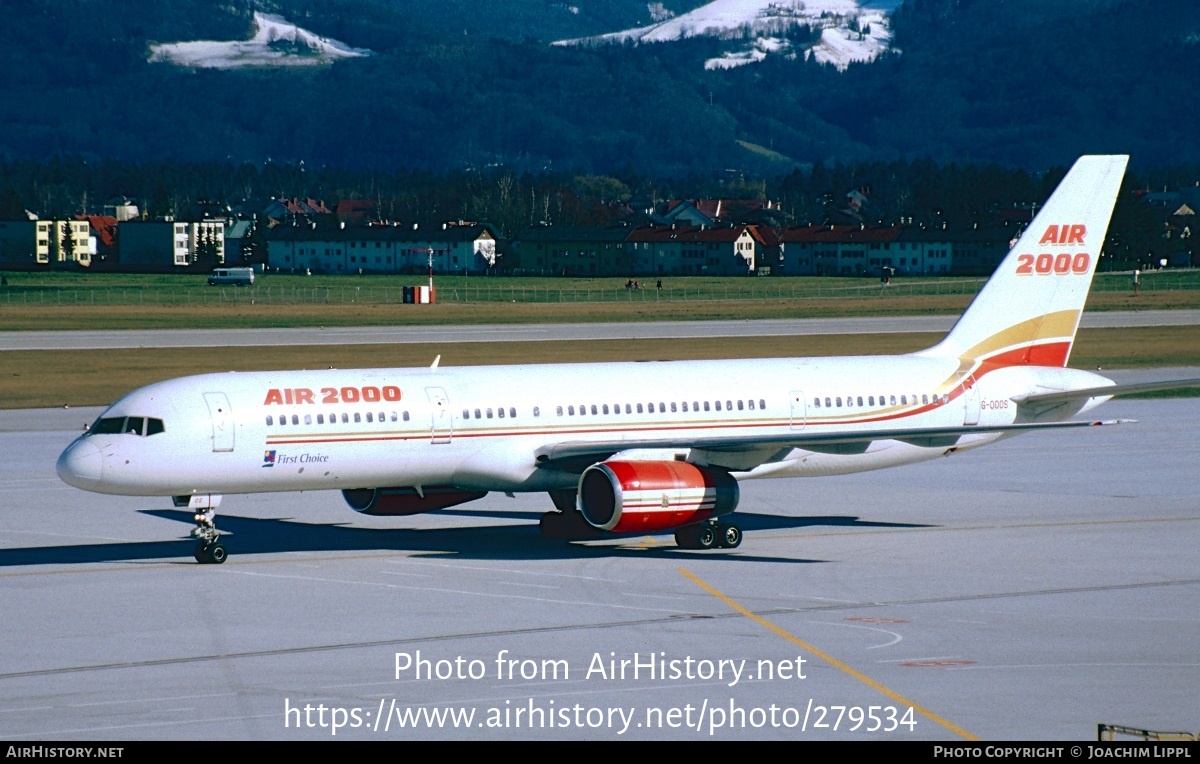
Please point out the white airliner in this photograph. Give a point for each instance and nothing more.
(626, 447)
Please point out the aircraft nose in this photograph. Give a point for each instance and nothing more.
(81, 465)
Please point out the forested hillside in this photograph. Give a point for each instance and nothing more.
(1023, 83)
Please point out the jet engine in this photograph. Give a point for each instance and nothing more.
(407, 500)
(636, 497)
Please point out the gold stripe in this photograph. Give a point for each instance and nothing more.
(1052, 325)
(830, 659)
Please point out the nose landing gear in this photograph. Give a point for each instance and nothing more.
(209, 550)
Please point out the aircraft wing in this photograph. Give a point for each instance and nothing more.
(576, 456)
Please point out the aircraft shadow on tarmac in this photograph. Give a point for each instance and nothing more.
(245, 536)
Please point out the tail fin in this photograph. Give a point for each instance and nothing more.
(1028, 311)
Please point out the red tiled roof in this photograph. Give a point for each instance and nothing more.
(105, 227)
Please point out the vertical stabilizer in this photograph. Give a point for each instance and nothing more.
(1028, 311)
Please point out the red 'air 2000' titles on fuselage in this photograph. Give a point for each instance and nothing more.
(291, 396)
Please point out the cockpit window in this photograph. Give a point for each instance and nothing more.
(108, 426)
(131, 425)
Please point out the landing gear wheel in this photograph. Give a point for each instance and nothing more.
(685, 537)
(210, 554)
(696, 537)
(731, 536)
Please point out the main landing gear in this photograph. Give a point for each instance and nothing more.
(209, 550)
(709, 535)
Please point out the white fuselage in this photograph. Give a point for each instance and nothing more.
(481, 428)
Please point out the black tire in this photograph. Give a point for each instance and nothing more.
(706, 537)
(685, 537)
(201, 553)
(731, 536)
(217, 553)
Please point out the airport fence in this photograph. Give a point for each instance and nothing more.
(488, 291)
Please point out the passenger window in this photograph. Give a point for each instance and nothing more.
(893, 400)
(838, 401)
(816, 403)
(871, 400)
(369, 417)
(559, 410)
(740, 406)
(718, 405)
(466, 414)
(628, 409)
(500, 412)
(639, 408)
(860, 400)
(593, 408)
(706, 405)
(751, 404)
(488, 412)
(903, 400)
(320, 419)
(512, 413)
(308, 418)
(270, 420)
(537, 411)
(345, 418)
(606, 408)
(295, 419)
(571, 410)
(394, 416)
(478, 415)
(672, 407)
(762, 403)
(357, 417)
(405, 416)
(685, 408)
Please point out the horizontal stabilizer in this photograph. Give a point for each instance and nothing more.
(1105, 391)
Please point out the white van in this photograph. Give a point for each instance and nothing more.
(231, 276)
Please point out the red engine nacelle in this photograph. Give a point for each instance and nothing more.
(406, 500)
(633, 497)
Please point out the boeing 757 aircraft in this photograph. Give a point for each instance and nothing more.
(626, 447)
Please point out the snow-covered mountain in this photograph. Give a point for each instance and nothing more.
(850, 30)
(276, 42)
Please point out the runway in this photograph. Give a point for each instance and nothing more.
(1025, 591)
(164, 338)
